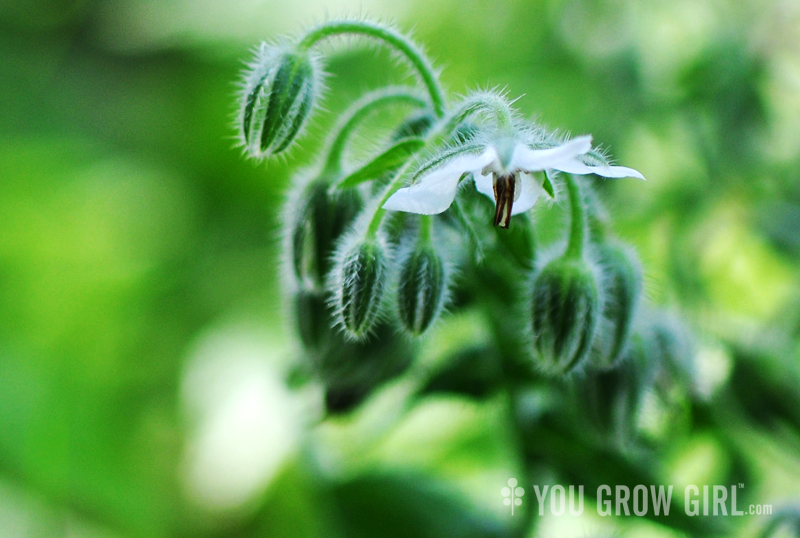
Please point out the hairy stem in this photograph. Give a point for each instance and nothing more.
(391, 37)
(577, 230)
(357, 112)
(425, 229)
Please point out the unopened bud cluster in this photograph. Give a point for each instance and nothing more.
(438, 219)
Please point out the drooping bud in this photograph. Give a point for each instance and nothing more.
(622, 282)
(566, 308)
(421, 290)
(349, 371)
(312, 317)
(613, 397)
(675, 346)
(277, 98)
(318, 218)
(359, 284)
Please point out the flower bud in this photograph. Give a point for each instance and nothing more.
(350, 371)
(359, 282)
(566, 308)
(318, 218)
(622, 282)
(675, 346)
(312, 317)
(613, 397)
(278, 96)
(421, 290)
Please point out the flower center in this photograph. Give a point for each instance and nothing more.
(504, 195)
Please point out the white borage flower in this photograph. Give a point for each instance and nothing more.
(504, 172)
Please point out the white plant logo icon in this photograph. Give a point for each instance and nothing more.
(512, 494)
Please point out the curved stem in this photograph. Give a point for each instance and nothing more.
(390, 37)
(377, 216)
(597, 219)
(356, 113)
(577, 230)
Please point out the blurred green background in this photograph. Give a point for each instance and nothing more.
(142, 344)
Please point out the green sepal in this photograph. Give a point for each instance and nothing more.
(547, 185)
(293, 79)
(251, 101)
(298, 117)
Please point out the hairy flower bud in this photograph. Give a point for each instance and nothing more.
(349, 371)
(675, 346)
(622, 282)
(359, 283)
(613, 397)
(421, 290)
(318, 218)
(277, 98)
(312, 317)
(566, 308)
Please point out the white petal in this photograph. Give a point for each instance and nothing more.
(574, 166)
(484, 184)
(436, 190)
(530, 191)
(533, 160)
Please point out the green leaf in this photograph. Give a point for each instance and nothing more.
(388, 160)
(547, 186)
(395, 505)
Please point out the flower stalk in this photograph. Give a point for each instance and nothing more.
(577, 230)
(389, 36)
(359, 111)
